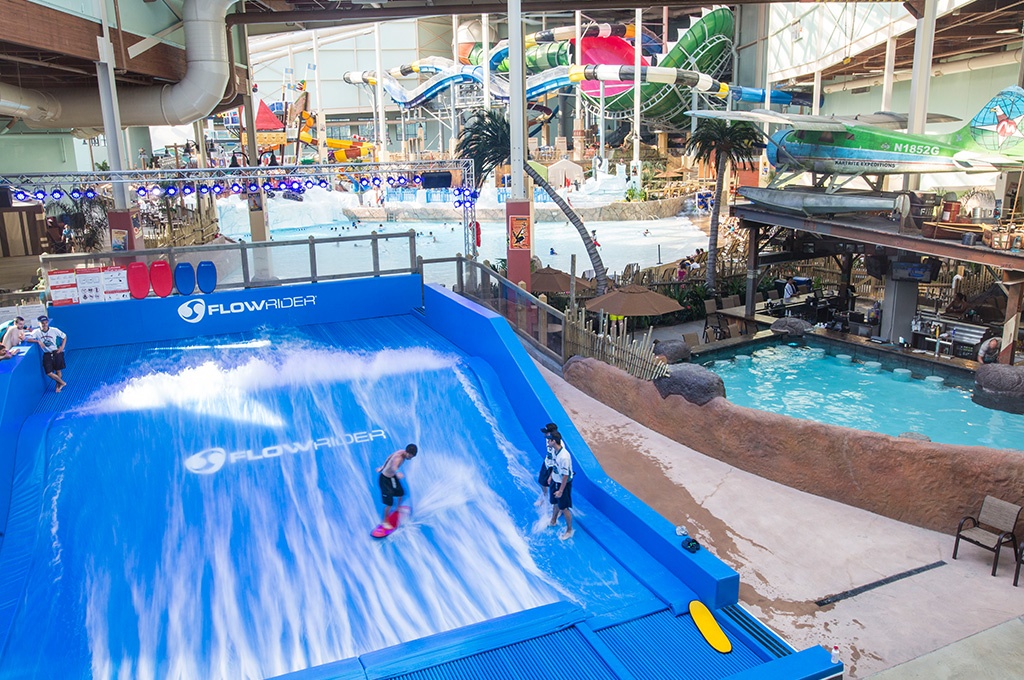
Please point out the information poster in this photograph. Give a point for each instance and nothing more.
(63, 287)
(30, 313)
(519, 232)
(8, 313)
(115, 283)
(119, 239)
(90, 284)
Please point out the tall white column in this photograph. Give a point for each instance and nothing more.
(110, 108)
(888, 73)
(919, 84)
(924, 40)
(637, 45)
(485, 23)
(578, 124)
(601, 121)
(516, 99)
(321, 115)
(382, 154)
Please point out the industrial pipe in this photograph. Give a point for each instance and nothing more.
(194, 97)
(943, 69)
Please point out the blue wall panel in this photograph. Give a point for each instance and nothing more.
(21, 384)
(124, 322)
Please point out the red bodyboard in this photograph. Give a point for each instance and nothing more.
(138, 280)
(381, 532)
(161, 277)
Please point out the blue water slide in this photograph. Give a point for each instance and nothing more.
(537, 85)
(782, 97)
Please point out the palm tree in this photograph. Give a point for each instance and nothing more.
(723, 143)
(486, 140)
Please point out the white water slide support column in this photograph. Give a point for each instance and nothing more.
(578, 126)
(321, 116)
(816, 104)
(382, 121)
(634, 172)
(485, 27)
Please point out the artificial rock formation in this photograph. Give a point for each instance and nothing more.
(1000, 386)
(924, 483)
(693, 383)
(674, 351)
(790, 325)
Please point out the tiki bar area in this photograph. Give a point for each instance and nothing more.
(911, 309)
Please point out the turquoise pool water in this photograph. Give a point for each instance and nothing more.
(804, 382)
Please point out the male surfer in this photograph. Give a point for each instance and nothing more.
(389, 481)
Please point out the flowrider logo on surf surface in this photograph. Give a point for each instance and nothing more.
(194, 311)
(209, 461)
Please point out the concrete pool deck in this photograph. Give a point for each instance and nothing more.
(792, 549)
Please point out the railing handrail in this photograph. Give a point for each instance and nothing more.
(490, 272)
(213, 247)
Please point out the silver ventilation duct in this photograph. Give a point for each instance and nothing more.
(194, 97)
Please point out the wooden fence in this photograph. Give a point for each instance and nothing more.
(612, 345)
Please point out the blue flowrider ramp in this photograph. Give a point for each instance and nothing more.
(206, 276)
(207, 509)
(184, 278)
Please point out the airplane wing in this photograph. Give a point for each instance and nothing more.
(762, 116)
(891, 120)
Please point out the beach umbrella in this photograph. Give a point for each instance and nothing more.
(633, 300)
(551, 280)
(669, 173)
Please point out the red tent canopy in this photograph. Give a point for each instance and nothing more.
(266, 120)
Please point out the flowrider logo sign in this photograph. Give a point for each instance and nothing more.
(194, 311)
(209, 461)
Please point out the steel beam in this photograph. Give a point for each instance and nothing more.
(877, 234)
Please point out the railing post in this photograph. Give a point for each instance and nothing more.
(375, 253)
(416, 263)
(312, 259)
(459, 276)
(245, 264)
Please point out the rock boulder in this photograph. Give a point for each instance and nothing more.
(1000, 387)
(674, 351)
(693, 383)
(790, 325)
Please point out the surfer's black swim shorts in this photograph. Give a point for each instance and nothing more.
(390, 487)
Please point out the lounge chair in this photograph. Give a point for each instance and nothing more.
(692, 340)
(995, 514)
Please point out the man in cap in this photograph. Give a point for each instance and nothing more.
(52, 341)
(561, 485)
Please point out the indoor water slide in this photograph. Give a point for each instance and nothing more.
(703, 49)
(342, 149)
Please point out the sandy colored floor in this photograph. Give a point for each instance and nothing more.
(793, 548)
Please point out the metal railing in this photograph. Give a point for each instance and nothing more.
(537, 322)
(270, 263)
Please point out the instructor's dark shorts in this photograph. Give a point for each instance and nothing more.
(390, 487)
(53, 362)
(565, 501)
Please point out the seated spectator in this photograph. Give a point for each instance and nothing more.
(14, 335)
(958, 306)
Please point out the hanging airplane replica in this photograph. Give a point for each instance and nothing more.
(838, 150)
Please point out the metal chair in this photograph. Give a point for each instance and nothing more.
(995, 514)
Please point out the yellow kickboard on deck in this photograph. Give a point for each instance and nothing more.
(709, 628)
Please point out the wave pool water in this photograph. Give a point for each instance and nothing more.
(804, 383)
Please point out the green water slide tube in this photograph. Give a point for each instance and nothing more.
(701, 49)
(538, 57)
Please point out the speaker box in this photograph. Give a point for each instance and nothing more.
(875, 265)
(6, 200)
(437, 180)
